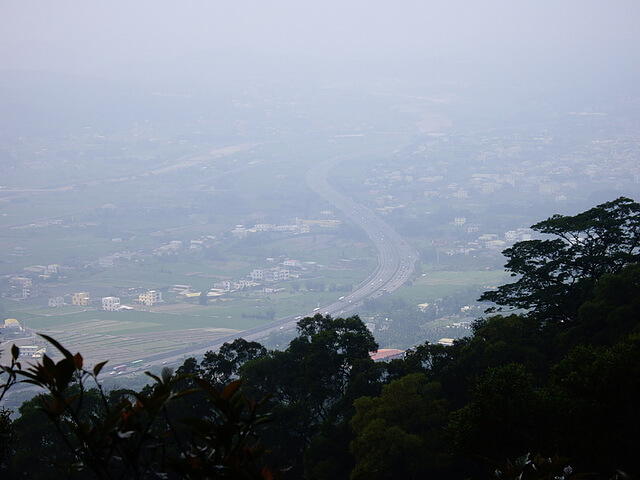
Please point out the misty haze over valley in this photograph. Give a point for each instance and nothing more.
(173, 175)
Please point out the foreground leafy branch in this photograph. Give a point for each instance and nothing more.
(141, 435)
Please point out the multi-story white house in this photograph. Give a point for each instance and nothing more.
(80, 298)
(56, 302)
(277, 274)
(150, 298)
(110, 304)
(257, 274)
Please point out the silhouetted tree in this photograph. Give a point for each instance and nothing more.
(556, 276)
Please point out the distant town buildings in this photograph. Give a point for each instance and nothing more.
(274, 274)
(300, 226)
(106, 262)
(257, 274)
(181, 289)
(80, 298)
(12, 324)
(56, 302)
(21, 281)
(239, 231)
(111, 304)
(42, 269)
(32, 351)
(150, 298)
(329, 223)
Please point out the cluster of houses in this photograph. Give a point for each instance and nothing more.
(256, 278)
(21, 286)
(490, 242)
(299, 227)
(110, 304)
(111, 260)
(13, 329)
(175, 246)
(530, 163)
(272, 275)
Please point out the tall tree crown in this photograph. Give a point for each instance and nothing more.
(557, 275)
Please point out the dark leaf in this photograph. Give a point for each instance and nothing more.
(15, 352)
(98, 367)
(55, 343)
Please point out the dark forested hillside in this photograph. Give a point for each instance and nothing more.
(547, 390)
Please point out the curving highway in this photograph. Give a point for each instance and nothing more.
(396, 261)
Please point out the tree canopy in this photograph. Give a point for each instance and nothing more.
(557, 275)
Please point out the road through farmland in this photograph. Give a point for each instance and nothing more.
(396, 262)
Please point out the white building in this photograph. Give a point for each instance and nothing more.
(35, 269)
(239, 232)
(264, 227)
(105, 262)
(223, 285)
(495, 245)
(56, 302)
(150, 298)
(257, 274)
(80, 298)
(285, 228)
(32, 351)
(21, 281)
(110, 304)
(276, 274)
(181, 289)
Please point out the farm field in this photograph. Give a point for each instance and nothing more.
(433, 285)
(128, 335)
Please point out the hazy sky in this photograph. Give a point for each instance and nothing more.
(108, 37)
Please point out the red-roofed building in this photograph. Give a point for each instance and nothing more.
(386, 354)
